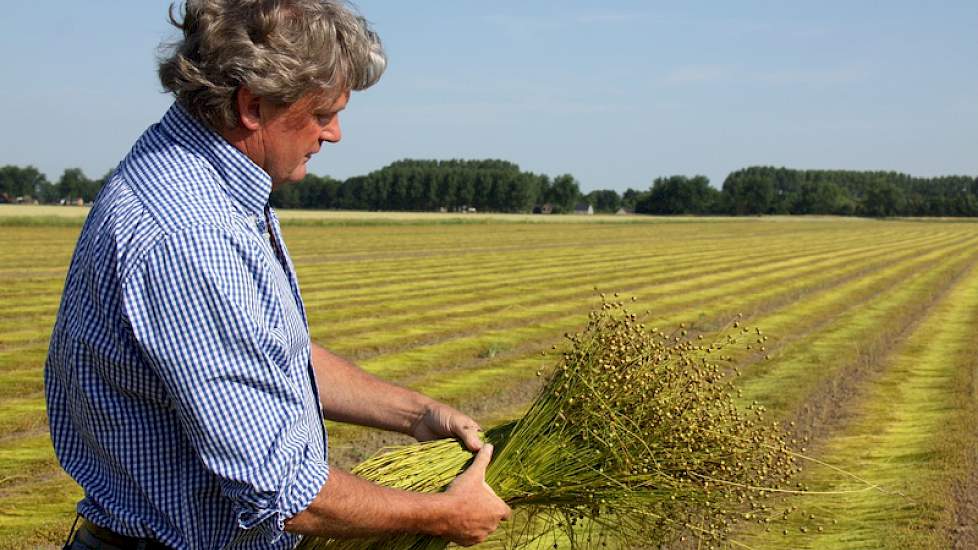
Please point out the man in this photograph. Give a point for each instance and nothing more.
(183, 392)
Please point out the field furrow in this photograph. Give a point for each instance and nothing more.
(511, 381)
(449, 270)
(467, 295)
(325, 267)
(796, 313)
(328, 274)
(911, 433)
(713, 292)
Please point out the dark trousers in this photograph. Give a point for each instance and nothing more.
(91, 537)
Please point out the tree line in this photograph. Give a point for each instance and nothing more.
(427, 185)
(28, 183)
(500, 186)
(769, 190)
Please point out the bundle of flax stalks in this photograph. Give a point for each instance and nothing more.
(634, 441)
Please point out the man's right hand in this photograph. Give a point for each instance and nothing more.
(478, 510)
(351, 507)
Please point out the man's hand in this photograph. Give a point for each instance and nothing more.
(439, 420)
(351, 507)
(478, 511)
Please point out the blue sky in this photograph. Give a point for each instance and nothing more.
(616, 93)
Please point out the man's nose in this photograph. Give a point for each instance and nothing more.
(332, 132)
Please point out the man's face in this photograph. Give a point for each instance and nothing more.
(292, 134)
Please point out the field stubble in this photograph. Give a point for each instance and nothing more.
(463, 311)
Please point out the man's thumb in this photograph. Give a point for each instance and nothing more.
(481, 461)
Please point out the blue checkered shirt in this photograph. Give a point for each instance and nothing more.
(179, 386)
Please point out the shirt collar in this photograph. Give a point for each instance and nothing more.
(244, 181)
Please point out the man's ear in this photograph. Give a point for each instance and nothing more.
(249, 108)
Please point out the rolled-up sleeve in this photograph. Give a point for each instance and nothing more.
(211, 314)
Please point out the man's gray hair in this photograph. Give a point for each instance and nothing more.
(279, 49)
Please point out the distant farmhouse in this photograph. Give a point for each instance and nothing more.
(584, 208)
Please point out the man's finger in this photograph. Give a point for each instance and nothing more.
(467, 431)
(470, 436)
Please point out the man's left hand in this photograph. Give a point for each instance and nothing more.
(440, 420)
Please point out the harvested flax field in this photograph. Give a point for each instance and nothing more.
(870, 330)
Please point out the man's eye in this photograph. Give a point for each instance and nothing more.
(324, 119)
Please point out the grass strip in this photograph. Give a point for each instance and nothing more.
(899, 439)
